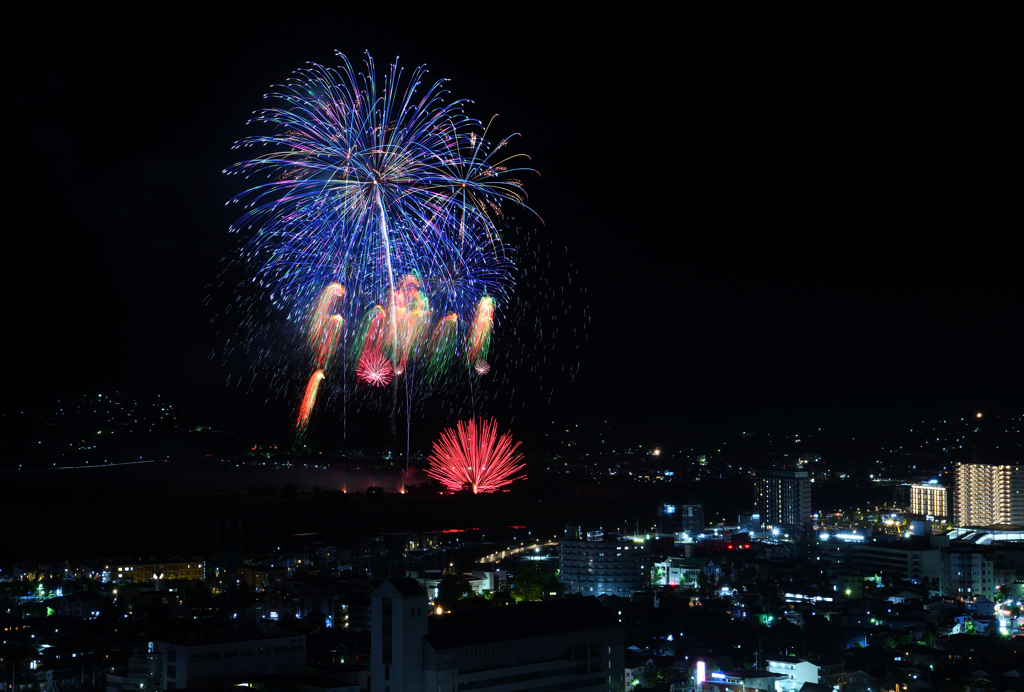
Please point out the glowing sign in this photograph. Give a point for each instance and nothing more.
(700, 672)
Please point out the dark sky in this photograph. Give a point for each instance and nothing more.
(778, 219)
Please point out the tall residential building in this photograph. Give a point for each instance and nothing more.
(567, 644)
(929, 500)
(988, 494)
(603, 564)
(783, 499)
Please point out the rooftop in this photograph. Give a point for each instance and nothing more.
(522, 621)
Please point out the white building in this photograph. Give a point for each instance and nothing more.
(989, 494)
(564, 644)
(797, 671)
(929, 500)
(684, 571)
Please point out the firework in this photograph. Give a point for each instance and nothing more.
(369, 176)
(472, 456)
(480, 336)
(444, 343)
(308, 400)
(374, 369)
(322, 314)
(328, 346)
(409, 317)
(375, 202)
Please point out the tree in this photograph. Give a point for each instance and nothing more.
(652, 677)
(450, 589)
(705, 584)
(532, 582)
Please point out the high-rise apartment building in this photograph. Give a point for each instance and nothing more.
(929, 500)
(783, 499)
(603, 564)
(988, 494)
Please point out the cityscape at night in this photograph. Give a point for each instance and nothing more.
(373, 351)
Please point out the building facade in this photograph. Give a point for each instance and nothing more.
(142, 573)
(398, 616)
(686, 571)
(681, 519)
(912, 561)
(989, 494)
(188, 664)
(608, 565)
(929, 500)
(741, 681)
(564, 644)
(783, 499)
(145, 674)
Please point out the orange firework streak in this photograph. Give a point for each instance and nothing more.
(320, 319)
(312, 387)
(329, 342)
(411, 311)
(376, 332)
(480, 337)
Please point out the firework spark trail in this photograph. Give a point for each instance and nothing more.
(410, 316)
(322, 314)
(328, 345)
(444, 342)
(472, 456)
(480, 336)
(308, 400)
(373, 333)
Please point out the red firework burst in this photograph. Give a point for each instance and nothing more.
(374, 368)
(482, 367)
(472, 455)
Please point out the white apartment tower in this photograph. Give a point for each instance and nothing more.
(988, 494)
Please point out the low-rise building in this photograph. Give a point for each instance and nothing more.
(685, 571)
(145, 673)
(145, 572)
(797, 671)
(741, 681)
(198, 664)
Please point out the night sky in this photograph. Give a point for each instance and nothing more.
(757, 219)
